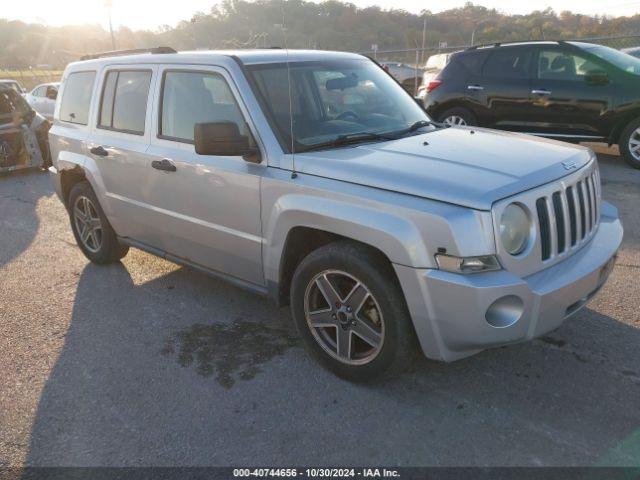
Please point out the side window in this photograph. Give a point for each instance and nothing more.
(463, 64)
(40, 91)
(559, 65)
(508, 63)
(196, 97)
(76, 98)
(124, 101)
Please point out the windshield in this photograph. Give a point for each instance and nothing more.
(332, 100)
(622, 60)
(13, 85)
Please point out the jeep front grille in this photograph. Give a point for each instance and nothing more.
(569, 216)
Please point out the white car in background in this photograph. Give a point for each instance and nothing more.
(435, 64)
(43, 98)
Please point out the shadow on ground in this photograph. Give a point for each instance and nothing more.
(186, 370)
(19, 195)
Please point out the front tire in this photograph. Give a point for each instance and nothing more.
(90, 226)
(629, 144)
(351, 313)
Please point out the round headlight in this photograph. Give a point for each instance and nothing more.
(514, 229)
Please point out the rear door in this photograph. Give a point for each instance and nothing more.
(502, 87)
(563, 102)
(119, 141)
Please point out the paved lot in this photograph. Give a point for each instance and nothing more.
(148, 363)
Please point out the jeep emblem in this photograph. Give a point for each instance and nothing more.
(569, 165)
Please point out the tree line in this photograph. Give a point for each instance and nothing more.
(332, 25)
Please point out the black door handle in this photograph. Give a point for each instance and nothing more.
(99, 151)
(164, 165)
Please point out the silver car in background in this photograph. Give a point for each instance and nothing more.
(314, 179)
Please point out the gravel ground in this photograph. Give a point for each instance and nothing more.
(149, 363)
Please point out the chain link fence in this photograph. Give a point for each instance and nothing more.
(29, 78)
(409, 65)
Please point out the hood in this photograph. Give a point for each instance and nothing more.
(472, 167)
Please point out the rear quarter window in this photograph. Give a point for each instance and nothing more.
(508, 62)
(463, 64)
(76, 98)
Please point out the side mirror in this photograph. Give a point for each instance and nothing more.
(223, 139)
(596, 77)
(52, 93)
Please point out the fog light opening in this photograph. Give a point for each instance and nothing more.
(505, 311)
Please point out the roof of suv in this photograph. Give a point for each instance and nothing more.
(247, 57)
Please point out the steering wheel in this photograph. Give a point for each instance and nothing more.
(347, 114)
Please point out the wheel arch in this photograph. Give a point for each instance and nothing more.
(621, 125)
(300, 224)
(68, 178)
(300, 242)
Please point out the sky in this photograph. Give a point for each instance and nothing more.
(150, 14)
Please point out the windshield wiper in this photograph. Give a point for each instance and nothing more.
(417, 126)
(349, 139)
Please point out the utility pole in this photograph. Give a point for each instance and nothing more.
(424, 38)
(109, 4)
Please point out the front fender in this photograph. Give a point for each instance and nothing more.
(397, 237)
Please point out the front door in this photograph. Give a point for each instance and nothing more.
(206, 208)
(563, 102)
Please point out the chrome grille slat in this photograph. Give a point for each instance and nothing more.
(583, 210)
(573, 215)
(587, 183)
(559, 221)
(544, 224)
(594, 215)
(553, 226)
(576, 202)
(567, 220)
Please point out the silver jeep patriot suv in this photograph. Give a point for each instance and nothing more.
(313, 178)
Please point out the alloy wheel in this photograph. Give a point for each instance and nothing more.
(452, 120)
(634, 144)
(88, 224)
(344, 317)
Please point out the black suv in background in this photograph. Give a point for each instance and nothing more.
(565, 90)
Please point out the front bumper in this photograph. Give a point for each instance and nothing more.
(449, 311)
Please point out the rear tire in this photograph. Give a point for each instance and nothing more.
(90, 226)
(365, 331)
(629, 144)
(458, 116)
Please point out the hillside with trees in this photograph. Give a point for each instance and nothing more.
(329, 25)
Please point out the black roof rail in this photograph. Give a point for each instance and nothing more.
(134, 51)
